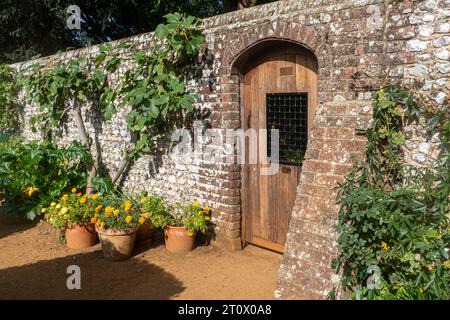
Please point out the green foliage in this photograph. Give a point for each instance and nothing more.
(393, 216)
(117, 212)
(32, 173)
(10, 109)
(29, 28)
(54, 89)
(193, 216)
(155, 210)
(296, 156)
(156, 88)
(72, 209)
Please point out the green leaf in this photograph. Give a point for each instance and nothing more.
(161, 31)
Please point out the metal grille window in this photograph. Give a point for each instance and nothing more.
(287, 112)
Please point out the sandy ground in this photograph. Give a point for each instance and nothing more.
(33, 266)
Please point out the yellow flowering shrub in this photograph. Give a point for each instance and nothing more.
(71, 209)
(117, 212)
(194, 216)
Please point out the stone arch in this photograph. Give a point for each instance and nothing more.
(249, 57)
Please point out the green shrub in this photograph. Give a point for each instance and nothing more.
(10, 108)
(32, 173)
(394, 233)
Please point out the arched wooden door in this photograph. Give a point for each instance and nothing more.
(279, 91)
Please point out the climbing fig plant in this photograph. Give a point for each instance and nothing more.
(394, 233)
(153, 89)
(10, 108)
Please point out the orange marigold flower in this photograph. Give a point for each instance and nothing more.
(207, 218)
(95, 197)
(141, 220)
(99, 207)
(83, 200)
(128, 219)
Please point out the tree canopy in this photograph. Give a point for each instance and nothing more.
(31, 28)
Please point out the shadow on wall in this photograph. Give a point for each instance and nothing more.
(100, 279)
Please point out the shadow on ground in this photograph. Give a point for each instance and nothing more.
(14, 224)
(100, 279)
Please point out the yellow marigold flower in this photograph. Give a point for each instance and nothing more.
(79, 194)
(118, 219)
(99, 207)
(107, 214)
(141, 220)
(207, 218)
(52, 204)
(95, 197)
(127, 206)
(196, 203)
(102, 224)
(199, 213)
(30, 190)
(128, 219)
(64, 197)
(116, 212)
(43, 210)
(86, 195)
(447, 264)
(58, 206)
(74, 190)
(384, 245)
(83, 200)
(93, 220)
(207, 209)
(109, 209)
(64, 210)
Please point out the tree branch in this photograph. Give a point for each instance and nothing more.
(92, 170)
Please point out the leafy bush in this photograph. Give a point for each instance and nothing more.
(117, 212)
(155, 210)
(194, 217)
(73, 208)
(10, 108)
(32, 174)
(394, 232)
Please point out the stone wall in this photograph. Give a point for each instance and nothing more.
(358, 44)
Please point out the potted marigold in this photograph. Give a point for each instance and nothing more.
(72, 213)
(155, 213)
(180, 229)
(116, 221)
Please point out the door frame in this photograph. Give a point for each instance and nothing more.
(240, 66)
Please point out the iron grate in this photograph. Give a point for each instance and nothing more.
(288, 112)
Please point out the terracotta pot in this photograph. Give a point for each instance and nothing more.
(177, 239)
(145, 231)
(116, 244)
(81, 236)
